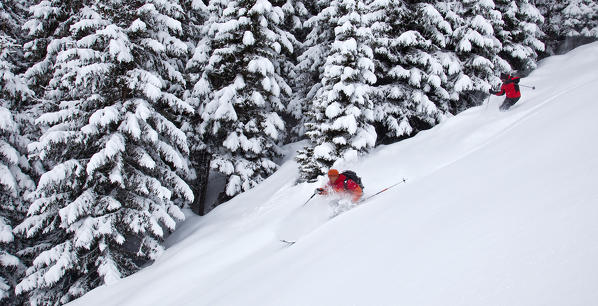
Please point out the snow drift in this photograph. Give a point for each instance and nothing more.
(500, 208)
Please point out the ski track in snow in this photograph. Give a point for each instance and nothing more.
(499, 208)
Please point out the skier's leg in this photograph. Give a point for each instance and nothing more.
(336, 208)
(339, 206)
(513, 101)
(508, 103)
(504, 104)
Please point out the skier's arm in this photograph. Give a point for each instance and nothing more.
(324, 190)
(501, 92)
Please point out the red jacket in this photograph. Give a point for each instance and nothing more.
(339, 186)
(510, 87)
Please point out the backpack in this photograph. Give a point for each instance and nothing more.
(515, 80)
(351, 175)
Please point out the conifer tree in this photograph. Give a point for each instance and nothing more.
(296, 13)
(520, 34)
(341, 129)
(48, 24)
(581, 18)
(317, 38)
(242, 92)
(199, 16)
(15, 185)
(196, 13)
(116, 156)
(317, 45)
(568, 21)
(16, 179)
(477, 47)
(409, 44)
(553, 24)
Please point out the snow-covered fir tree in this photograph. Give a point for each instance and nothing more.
(320, 36)
(117, 157)
(520, 33)
(15, 186)
(341, 129)
(48, 24)
(195, 30)
(16, 181)
(477, 47)
(317, 38)
(553, 23)
(581, 18)
(569, 22)
(577, 18)
(241, 91)
(296, 13)
(196, 13)
(409, 42)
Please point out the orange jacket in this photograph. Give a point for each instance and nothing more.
(339, 187)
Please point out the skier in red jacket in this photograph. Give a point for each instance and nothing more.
(510, 86)
(339, 183)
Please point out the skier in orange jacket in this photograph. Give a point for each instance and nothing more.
(340, 183)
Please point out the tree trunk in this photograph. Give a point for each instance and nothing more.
(201, 163)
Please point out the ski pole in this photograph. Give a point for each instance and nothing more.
(488, 103)
(313, 195)
(383, 190)
(532, 87)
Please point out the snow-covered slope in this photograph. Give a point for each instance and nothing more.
(500, 208)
